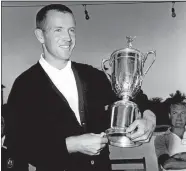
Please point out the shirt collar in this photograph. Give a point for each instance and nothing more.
(47, 66)
(170, 132)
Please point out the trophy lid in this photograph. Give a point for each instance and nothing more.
(126, 52)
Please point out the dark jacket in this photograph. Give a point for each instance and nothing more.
(43, 119)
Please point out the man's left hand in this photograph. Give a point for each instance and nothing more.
(141, 129)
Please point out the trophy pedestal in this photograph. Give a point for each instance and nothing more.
(118, 139)
(124, 113)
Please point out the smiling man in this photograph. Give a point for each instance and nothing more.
(57, 35)
(58, 106)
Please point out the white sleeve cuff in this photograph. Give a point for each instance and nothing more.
(149, 115)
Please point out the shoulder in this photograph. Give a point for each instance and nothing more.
(23, 85)
(27, 76)
(163, 137)
(160, 137)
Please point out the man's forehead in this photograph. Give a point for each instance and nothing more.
(56, 13)
(57, 19)
(178, 107)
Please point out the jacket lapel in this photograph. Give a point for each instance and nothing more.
(81, 87)
(48, 82)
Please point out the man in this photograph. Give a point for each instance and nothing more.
(59, 105)
(171, 146)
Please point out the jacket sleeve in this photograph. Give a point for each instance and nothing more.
(33, 140)
(108, 93)
(141, 100)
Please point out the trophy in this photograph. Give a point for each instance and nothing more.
(126, 79)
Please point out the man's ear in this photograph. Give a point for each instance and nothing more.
(39, 35)
(169, 116)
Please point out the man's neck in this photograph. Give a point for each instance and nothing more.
(58, 64)
(178, 131)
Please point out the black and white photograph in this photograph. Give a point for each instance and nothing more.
(93, 85)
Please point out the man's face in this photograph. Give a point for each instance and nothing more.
(58, 35)
(178, 115)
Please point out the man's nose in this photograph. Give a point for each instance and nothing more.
(66, 36)
(179, 116)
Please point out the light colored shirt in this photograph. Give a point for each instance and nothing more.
(171, 144)
(64, 80)
(150, 116)
(175, 144)
(2, 142)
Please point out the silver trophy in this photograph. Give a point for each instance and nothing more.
(126, 78)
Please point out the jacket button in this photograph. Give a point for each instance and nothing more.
(92, 162)
(10, 163)
(83, 123)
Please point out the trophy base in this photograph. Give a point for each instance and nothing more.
(119, 139)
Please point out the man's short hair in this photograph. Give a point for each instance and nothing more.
(41, 15)
(176, 99)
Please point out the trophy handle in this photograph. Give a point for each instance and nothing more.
(103, 68)
(145, 58)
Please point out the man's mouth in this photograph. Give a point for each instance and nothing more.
(65, 46)
(178, 122)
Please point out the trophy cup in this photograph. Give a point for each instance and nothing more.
(126, 79)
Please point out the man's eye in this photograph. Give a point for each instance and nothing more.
(72, 30)
(57, 30)
(183, 113)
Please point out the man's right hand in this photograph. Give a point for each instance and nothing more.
(90, 144)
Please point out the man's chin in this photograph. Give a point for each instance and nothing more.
(65, 57)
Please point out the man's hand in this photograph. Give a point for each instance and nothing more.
(90, 144)
(141, 129)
